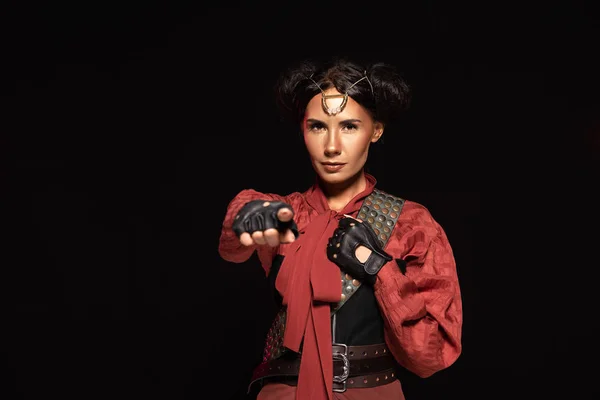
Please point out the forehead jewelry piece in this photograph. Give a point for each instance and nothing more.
(340, 108)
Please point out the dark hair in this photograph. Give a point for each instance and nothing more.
(386, 101)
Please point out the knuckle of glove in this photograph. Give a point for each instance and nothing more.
(365, 235)
(256, 216)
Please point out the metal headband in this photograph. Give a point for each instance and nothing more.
(338, 109)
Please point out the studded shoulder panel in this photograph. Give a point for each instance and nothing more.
(381, 211)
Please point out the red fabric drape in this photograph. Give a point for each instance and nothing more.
(309, 283)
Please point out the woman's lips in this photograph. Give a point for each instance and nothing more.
(332, 167)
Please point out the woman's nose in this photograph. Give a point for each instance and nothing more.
(333, 145)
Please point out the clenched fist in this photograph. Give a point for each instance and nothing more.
(354, 247)
(265, 222)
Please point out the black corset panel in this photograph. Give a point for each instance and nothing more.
(358, 321)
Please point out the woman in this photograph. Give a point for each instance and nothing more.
(399, 298)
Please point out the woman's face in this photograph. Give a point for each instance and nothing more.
(338, 145)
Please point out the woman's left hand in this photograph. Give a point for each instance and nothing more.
(354, 247)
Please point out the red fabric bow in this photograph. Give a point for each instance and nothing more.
(309, 283)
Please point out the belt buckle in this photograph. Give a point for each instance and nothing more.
(343, 356)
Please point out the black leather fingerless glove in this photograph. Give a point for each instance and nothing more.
(255, 216)
(342, 246)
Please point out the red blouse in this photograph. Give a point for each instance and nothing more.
(422, 309)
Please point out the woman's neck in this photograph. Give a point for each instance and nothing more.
(339, 195)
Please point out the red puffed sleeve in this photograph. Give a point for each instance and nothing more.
(230, 248)
(421, 307)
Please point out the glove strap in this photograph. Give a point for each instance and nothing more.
(381, 211)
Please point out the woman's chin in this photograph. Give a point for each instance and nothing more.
(332, 178)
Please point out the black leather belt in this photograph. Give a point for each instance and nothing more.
(353, 367)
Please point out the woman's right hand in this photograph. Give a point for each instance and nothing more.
(264, 222)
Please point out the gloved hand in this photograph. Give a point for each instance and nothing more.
(347, 238)
(265, 222)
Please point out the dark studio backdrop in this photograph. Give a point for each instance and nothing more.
(127, 128)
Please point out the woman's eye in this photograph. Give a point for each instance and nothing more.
(349, 127)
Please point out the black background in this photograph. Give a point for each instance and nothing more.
(128, 127)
